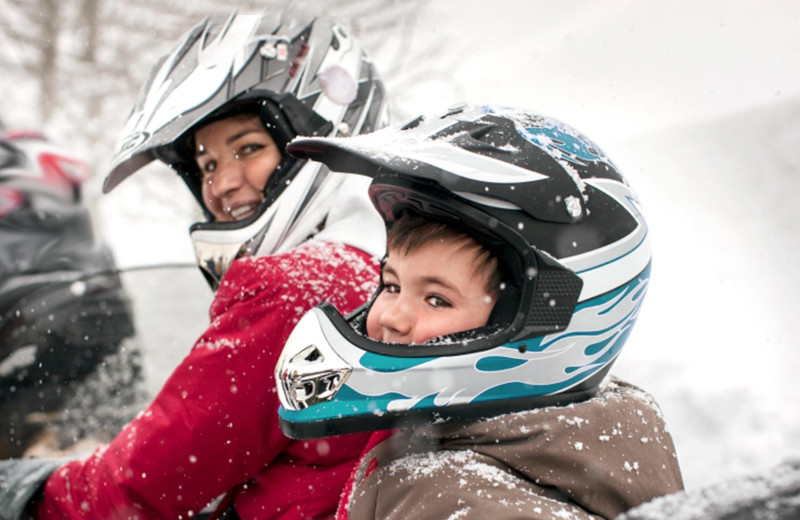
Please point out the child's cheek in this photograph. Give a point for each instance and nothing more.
(373, 321)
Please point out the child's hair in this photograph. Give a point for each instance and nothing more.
(412, 231)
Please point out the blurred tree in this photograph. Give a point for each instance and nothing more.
(49, 32)
(90, 10)
(31, 33)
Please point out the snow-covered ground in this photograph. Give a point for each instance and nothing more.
(699, 103)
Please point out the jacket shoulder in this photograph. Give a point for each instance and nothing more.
(315, 271)
(622, 391)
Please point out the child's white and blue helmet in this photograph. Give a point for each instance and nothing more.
(572, 245)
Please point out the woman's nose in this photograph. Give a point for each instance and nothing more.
(398, 318)
(228, 177)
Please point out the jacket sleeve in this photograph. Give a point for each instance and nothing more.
(213, 424)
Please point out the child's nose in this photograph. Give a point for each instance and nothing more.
(398, 318)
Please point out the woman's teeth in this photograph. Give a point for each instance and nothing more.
(241, 211)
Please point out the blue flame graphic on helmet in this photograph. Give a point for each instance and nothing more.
(559, 140)
(597, 333)
(571, 147)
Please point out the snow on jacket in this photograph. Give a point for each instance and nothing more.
(214, 427)
(589, 460)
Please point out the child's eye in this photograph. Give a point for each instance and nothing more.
(391, 288)
(437, 301)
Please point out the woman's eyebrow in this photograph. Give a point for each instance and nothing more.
(234, 137)
(230, 140)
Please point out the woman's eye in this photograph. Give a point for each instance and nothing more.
(209, 167)
(437, 301)
(391, 288)
(249, 149)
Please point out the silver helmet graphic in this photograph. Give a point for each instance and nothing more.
(303, 75)
(571, 241)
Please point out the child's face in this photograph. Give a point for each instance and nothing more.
(432, 291)
(235, 156)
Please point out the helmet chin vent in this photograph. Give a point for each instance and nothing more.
(554, 301)
(312, 379)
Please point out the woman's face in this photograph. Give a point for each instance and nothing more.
(235, 156)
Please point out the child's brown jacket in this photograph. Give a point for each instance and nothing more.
(594, 459)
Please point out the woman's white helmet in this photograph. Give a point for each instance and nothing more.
(304, 75)
(572, 245)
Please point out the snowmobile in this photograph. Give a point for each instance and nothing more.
(63, 309)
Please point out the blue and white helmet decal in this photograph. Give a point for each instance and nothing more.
(553, 207)
(570, 147)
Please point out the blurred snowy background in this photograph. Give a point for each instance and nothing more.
(697, 102)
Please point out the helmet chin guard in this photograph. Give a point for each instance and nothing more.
(217, 245)
(570, 239)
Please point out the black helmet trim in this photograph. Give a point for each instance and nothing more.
(550, 291)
